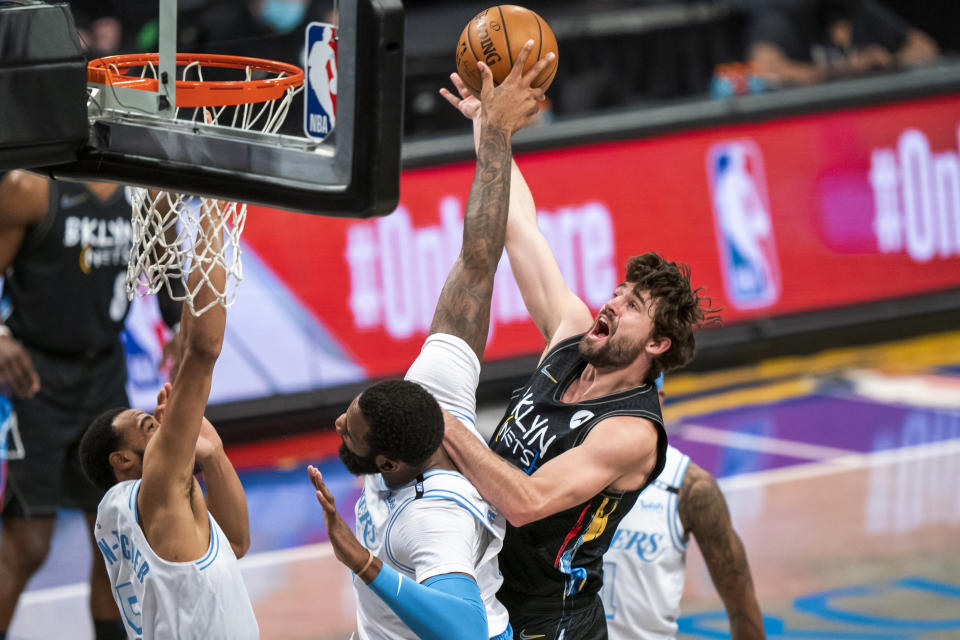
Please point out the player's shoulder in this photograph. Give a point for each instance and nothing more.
(24, 198)
(696, 477)
(448, 495)
(121, 495)
(444, 479)
(627, 444)
(625, 430)
(700, 494)
(436, 519)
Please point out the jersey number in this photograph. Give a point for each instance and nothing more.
(606, 594)
(118, 304)
(130, 606)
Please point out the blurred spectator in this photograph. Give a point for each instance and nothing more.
(98, 27)
(795, 42)
(220, 20)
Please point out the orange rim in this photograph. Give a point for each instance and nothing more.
(196, 93)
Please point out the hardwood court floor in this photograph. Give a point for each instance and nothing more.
(841, 470)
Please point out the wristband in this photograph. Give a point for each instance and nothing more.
(369, 562)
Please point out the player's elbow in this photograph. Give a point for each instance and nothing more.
(203, 348)
(524, 511)
(519, 520)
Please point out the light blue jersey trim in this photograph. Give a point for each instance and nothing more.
(462, 417)
(132, 502)
(673, 519)
(386, 539)
(213, 551)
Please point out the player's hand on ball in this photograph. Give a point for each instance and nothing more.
(467, 103)
(513, 104)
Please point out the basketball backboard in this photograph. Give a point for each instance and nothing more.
(353, 173)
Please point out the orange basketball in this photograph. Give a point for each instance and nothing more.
(496, 36)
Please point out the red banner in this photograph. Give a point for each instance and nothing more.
(788, 215)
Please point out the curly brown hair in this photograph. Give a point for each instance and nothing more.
(678, 307)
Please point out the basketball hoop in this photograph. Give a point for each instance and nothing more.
(165, 224)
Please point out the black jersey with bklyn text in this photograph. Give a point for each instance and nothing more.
(560, 558)
(66, 284)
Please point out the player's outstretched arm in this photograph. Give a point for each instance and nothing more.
(554, 308)
(445, 606)
(170, 456)
(225, 498)
(617, 449)
(703, 512)
(463, 309)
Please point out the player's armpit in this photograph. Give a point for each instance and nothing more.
(703, 512)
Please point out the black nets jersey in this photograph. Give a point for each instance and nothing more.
(66, 284)
(560, 558)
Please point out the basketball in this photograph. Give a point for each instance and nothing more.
(495, 36)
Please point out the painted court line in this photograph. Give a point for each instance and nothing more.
(841, 465)
(284, 556)
(833, 465)
(253, 561)
(55, 594)
(764, 444)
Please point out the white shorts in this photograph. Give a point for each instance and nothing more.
(449, 369)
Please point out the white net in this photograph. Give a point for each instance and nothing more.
(164, 254)
(165, 224)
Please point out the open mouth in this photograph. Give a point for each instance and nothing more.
(601, 328)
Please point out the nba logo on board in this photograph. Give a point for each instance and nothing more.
(741, 216)
(320, 101)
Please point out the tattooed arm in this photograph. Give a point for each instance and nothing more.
(463, 309)
(553, 307)
(703, 512)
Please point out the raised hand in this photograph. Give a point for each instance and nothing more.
(171, 356)
(467, 104)
(512, 104)
(161, 407)
(346, 547)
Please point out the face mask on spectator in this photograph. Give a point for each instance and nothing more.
(282, 15)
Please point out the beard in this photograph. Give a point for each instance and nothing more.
(611, 353)
(358, 465)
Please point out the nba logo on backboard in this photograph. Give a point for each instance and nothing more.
(320, 103)
(741, 215)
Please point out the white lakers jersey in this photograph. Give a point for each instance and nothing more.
(643, 569)
(202, 599)
(439, 526)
